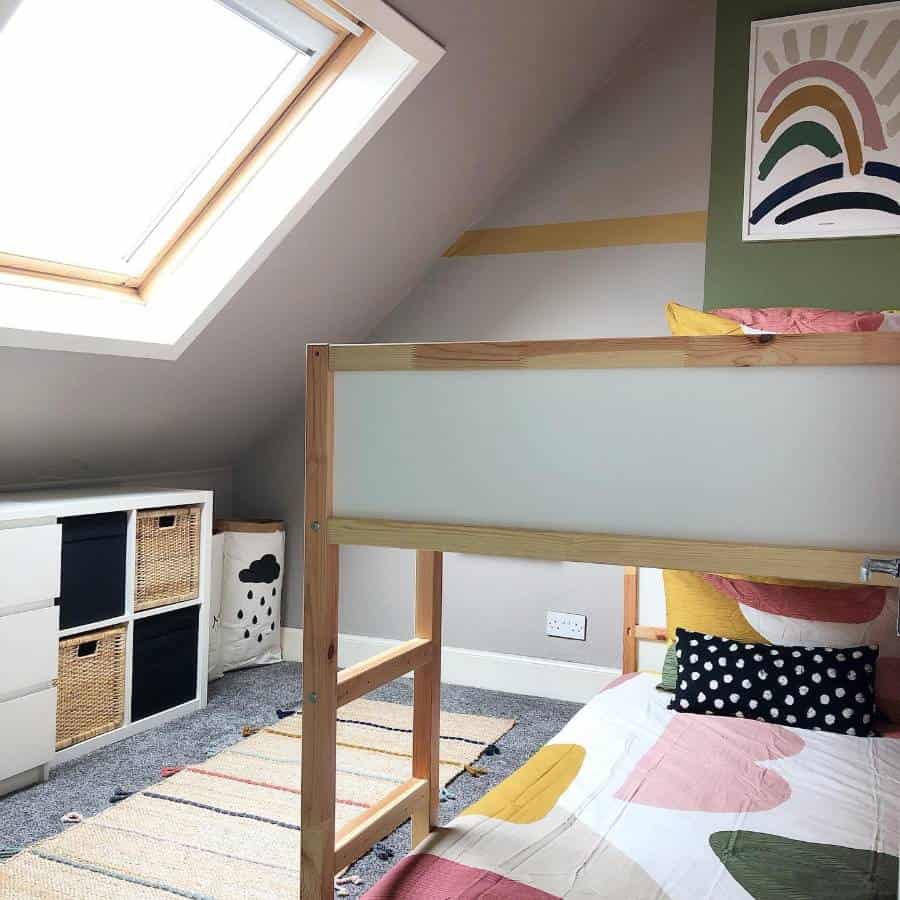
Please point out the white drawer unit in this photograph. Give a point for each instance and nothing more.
(30, 557)
(29, 561)
(30, 655)
(68, 572)
(28, 726)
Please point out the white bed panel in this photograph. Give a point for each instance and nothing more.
(651, 656)
(651, 597)
(651, 611)
(794, 456)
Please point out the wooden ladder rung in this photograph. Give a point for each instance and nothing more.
(358, 836)
(648, 633)
(355, 681)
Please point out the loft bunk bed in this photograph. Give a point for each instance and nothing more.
(708, 454)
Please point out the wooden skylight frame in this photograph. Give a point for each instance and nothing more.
(253, 157)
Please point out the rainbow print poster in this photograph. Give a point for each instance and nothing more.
(823, 125)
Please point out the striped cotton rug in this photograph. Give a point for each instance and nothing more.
(228, 827)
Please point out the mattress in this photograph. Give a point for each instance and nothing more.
(633, 801)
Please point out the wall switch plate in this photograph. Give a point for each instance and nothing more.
(566, 625)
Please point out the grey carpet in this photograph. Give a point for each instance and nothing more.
(251, 697)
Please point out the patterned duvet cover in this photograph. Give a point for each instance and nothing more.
(633, 801)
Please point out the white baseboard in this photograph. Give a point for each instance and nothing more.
(550, 678)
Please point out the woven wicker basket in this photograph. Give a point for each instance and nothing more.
(91, 685)
(168, 556)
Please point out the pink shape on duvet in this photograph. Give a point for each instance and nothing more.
(617, 681)
(851, 604)
(710, 764)
(424, 875)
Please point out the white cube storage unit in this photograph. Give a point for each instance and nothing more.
(31, 554)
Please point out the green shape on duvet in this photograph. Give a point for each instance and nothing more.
(770, 867)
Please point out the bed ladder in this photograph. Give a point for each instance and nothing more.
(323, 850)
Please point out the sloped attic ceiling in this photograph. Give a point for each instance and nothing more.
(513, 72)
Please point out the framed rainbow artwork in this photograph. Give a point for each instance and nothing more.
(823, 125)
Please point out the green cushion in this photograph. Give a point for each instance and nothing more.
(669, 670)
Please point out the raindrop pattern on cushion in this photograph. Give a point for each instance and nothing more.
(819, 688)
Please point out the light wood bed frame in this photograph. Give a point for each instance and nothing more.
(323, 851)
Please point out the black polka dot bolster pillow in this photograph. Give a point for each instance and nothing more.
(819, 688)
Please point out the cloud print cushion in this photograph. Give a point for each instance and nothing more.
(819, 688)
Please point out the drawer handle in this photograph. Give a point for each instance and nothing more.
(88, 648)
(166, 521)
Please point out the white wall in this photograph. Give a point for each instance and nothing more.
(268, 484)
(639, 147)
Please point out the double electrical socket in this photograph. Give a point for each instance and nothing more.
(566, 625)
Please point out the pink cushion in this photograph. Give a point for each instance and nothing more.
(803, 320)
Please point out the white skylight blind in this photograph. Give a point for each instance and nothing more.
(120, 117)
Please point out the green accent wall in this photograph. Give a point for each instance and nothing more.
(849, 273)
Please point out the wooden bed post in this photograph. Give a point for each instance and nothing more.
(630, 640)
(320, 636)
(427, 692)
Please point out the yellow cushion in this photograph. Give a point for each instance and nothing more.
(687, 322)
(693, 603)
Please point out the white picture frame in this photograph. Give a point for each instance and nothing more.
(823, 126)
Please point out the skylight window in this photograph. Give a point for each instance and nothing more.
(124, 118)
(156, 152)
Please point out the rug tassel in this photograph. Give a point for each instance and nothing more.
(475, 771)
(383, 852)
(340, 880)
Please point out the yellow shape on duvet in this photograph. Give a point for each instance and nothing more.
(532, 791)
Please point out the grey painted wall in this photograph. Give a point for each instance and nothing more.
(639, 147)
(438, 164)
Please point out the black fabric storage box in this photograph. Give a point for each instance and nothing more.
(93, 568)
(164, 672)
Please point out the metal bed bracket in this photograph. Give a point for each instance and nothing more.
(883, 566)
